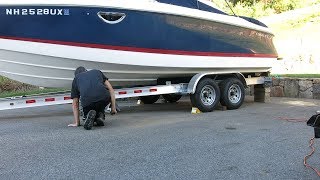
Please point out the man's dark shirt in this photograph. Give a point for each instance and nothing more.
(89, 86)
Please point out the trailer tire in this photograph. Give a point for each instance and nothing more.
(172, 98)
(149, 99)
(232, 93)
(206, 96)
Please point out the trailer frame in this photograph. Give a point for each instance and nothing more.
(261, 83)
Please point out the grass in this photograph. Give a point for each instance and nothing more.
(10, 88)
(297, 75)
(2, 79)
(30, 92)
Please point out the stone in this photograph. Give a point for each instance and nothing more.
(275, 81)
(281, 83)
(306, 94)
(316, 81)
(305, 88)
(316, 88)
(316, 91)
(316, 96)
(304, 85)
(291, 88)
(277, 91)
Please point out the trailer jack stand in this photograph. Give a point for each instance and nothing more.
(314, 122)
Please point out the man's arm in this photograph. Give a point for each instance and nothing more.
(113, 98)
(75, 108)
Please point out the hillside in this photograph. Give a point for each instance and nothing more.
(297, 39)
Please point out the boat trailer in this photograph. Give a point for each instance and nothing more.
(261, 83)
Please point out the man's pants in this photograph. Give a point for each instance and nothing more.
(99, 107)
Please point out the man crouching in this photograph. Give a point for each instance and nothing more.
(95, 93)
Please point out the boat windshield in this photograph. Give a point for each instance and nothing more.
(204, 5)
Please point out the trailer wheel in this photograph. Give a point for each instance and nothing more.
(232, 93)
(207, 95)
(149, 99)
(172, 98)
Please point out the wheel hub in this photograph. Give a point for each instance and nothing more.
(208, 95)
(234, 93)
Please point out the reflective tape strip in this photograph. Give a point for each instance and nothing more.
(49, 99)
(30, 101)
(138, 91)
(153, 90)
(122, 92)
(67, 98)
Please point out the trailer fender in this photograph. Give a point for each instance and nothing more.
(192, 85)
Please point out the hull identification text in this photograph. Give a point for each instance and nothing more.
(38, 12)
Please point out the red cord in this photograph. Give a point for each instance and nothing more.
(310, 145)
(309, 155)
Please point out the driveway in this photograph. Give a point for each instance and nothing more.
(161, 141)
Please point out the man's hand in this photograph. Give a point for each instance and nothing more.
(74, 125)
(75, 109)
(113, 111)
(112, 96)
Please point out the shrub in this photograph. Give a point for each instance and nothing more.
(285, 5)
(258, 8)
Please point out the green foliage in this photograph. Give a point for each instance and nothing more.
(259, 8)
(285, 5)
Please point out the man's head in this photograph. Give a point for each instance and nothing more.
(79, 70)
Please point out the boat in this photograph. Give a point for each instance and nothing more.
(133, 42)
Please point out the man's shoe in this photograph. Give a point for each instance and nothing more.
(89, 120)
(100, 119)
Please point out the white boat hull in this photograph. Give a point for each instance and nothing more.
(51, 65)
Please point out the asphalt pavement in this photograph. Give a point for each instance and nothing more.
(161, 141)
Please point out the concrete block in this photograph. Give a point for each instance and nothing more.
(261, 93)
(247, 91)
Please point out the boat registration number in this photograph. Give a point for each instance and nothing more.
(38, 12)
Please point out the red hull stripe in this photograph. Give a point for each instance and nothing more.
(145, 50)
